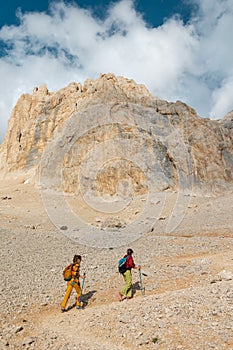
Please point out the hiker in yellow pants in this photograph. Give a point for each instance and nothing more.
(127, 290)
(73, 283)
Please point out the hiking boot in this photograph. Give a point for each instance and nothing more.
(63, 309)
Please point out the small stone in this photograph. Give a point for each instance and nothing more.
(63, 228)
(28, 341)
(162, 218)
(139, 335)
(225, 275)
(18, 329)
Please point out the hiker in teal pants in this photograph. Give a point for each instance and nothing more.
(127, 291)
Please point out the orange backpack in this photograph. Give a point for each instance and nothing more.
(67, 273)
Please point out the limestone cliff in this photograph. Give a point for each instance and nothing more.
(128, 135)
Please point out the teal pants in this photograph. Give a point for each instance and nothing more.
(127, 290)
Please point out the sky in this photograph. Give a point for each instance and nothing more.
(180, 49)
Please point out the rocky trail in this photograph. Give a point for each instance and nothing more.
(188, 301)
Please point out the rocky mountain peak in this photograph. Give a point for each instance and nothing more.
(167, 143)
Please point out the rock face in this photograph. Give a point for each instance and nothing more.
(112, 136)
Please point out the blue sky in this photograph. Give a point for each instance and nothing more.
(181, 50)
(153, 11)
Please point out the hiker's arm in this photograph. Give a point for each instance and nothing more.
(133, 266)
(83, 276)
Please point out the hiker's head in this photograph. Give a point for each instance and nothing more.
(77, 259)
(129, 251)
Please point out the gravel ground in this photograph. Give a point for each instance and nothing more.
(188, 280)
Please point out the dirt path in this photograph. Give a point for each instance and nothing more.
(188, 302)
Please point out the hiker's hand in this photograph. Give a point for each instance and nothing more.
(139, 267)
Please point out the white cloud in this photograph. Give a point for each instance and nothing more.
(223, 98)
(214, 25)
(190, 62)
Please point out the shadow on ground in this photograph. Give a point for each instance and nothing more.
(85, 298)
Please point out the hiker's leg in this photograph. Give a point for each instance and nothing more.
(127, 289)
(78, 291)
(67, 295)
(130, 286)
(123, 291)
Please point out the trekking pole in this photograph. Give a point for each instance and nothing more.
(82, 288)
(140, 279)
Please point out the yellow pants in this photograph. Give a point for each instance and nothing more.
(127, 290)
(70, 286)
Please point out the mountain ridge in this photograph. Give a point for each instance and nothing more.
(182, 142)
